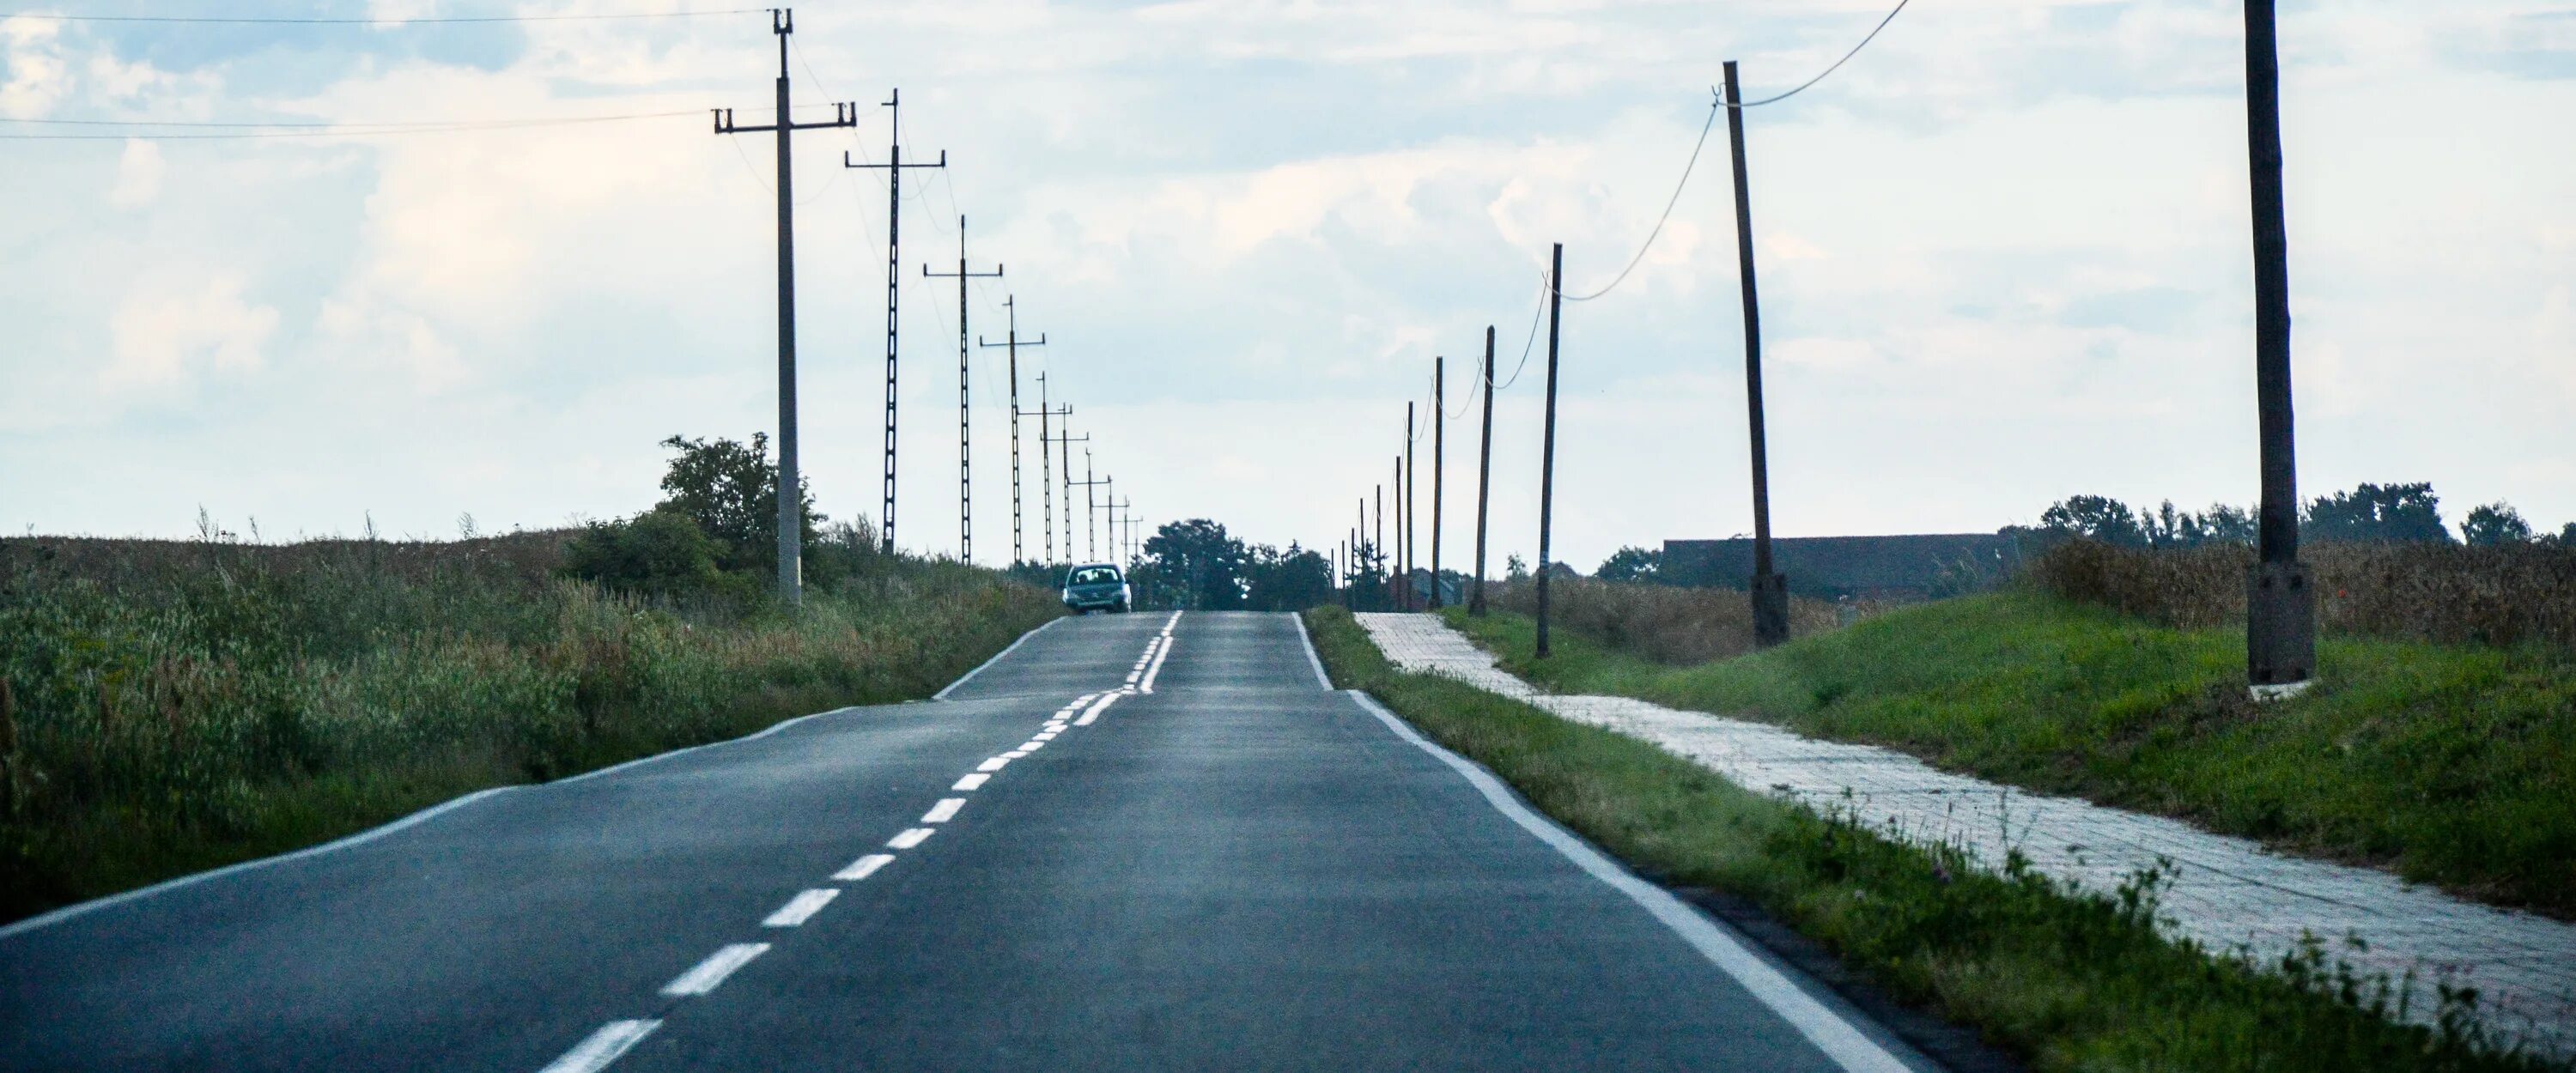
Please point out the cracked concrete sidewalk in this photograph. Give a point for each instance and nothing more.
(2225, 892)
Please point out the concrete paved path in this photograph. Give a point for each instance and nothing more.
(2226, 891)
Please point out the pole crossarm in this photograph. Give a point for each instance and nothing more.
(844, 114)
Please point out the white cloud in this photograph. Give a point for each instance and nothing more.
(37, 76)
(162, 337)
(138, 175)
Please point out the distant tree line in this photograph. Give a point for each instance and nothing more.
(2370, 513)
(1197, 565)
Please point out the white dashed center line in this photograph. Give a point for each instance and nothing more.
(713, 970)
(994, 764)
(911, 838)
(944, 811)
(972, 781)
(863, 867)
(803, 905)
(593, 1054)
(1101, 706)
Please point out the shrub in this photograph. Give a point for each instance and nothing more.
(658, 552)
(1674, 626)
(2445, 593)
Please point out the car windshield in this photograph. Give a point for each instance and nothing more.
(1095, 575)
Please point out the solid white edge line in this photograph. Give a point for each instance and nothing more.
(594, 1052)
(711, 973)
(944, 811)
(801, 908)
(361, 838)
(863, 867)
(69, 911)
(1837, 1037)
(997, 657)
(1312, 660)
(912, 837)
(1097, 707)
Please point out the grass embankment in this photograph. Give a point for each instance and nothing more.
(166, 708)
(2068, 980)
(2450, 764)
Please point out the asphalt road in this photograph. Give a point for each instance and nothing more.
(1187, 854)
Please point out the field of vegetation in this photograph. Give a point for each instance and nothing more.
(2065, 979)
(170, 706)
(2451, 764)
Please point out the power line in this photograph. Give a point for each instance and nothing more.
(250, 20)
(315, 130)
(1718, 104)
(1532, 341)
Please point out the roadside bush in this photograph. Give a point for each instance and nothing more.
(658, 552)
(2447, 593)
(1675, 626)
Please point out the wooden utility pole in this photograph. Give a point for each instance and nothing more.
(2281, 622)
(894, 166)
(1547, 450)
(1377, 549)
(1412, 515)
(1439, 430)
(1484, 477)
(1403, 561)
(965, 427)
(791, 489)
(1046, 465)
(1770, 591)
(1010, 307)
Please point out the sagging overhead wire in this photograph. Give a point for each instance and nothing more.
(387, 23)
(1718, 104)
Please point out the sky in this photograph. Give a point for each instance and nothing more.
(2003, 257)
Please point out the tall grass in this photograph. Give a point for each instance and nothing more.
(173, 705)
(1674, 626)
(2434, 592)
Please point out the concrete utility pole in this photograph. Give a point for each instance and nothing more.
(1046, 465)
(965, 427)
(1067, 439)
(1090, 508)
(893, 166)
(1439, 448)
(1547, 450)
(790, 490)
(1011, 308)
(2281, 619)
(1484, 477)
(1770, 590)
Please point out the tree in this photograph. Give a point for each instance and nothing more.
(731, 492)
(2495, 525)
(1199, 564)
(1293, 580)
(2373, 513)
(2097, 517)
(1514, 569)
(1631, 564)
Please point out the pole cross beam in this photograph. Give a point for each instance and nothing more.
(790, 490)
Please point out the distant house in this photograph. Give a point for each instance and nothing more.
(1866, 567)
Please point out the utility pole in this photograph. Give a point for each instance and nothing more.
(1090, 508)
(1403, 563)
(1046, 464)
(893, 166)
(1484, 477)
(965, 428)
(1377, 550)
(1770, 591)
(2281, 621)
(1439, 448)
(1067, 439)
(1127, 524)
(1010, 307)
(1547, 452)
(1109, 497)
(791, 496)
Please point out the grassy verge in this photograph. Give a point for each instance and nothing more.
(2452, 765)
(168, 711)
(2068, 980)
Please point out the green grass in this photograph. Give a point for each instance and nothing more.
(2067, 980)
(2452, 765)
(166, 709)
